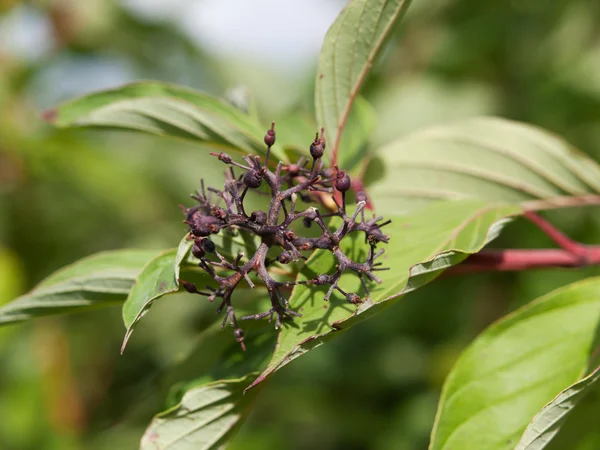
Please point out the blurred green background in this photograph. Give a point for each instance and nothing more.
(64, 195)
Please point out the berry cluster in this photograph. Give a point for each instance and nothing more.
(224, 209)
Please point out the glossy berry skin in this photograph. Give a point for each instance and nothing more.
(208, 246)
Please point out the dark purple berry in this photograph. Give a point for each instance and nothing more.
(284, 257)
(190, 287)
(208, 246)
(293, 170)
(270, 136)
(253, 179)
(316, 148)
(361, 196)
(197, 251)
(204, 225)
(342, 181)
(307, 222)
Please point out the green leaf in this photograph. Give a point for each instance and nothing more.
(165, 110)
(424, 244)
(360, 126)
(209, 409)
(515, 367)
(205, 419)
(159, 277)
(349, 50)
(103, 279)
(486, 157)
(546, 424)
(580, 430)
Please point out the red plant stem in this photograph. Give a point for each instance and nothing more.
(575, 248)
(571, 254)
(524, 259)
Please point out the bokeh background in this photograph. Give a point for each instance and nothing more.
(66, 194)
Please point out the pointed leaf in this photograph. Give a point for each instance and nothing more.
(349, 50)
(159, 277)
(424, 244)
(515, 367)
(103, 279)
(208, 410)
(165, 110)
(205, 418)
(546, 424)
(485, 157)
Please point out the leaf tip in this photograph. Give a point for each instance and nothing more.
(126, 339)
(258, 380)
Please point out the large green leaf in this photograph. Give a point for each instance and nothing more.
(209, 409)
(205, 418)
(515, 367)
(546, 424)
(159, 277)
(164, 110)
(99, 280)
(349, 50)
(424, 244)
(488, 158)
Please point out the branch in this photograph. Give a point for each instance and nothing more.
(574, 248)
(524, 259)
(573, 254)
